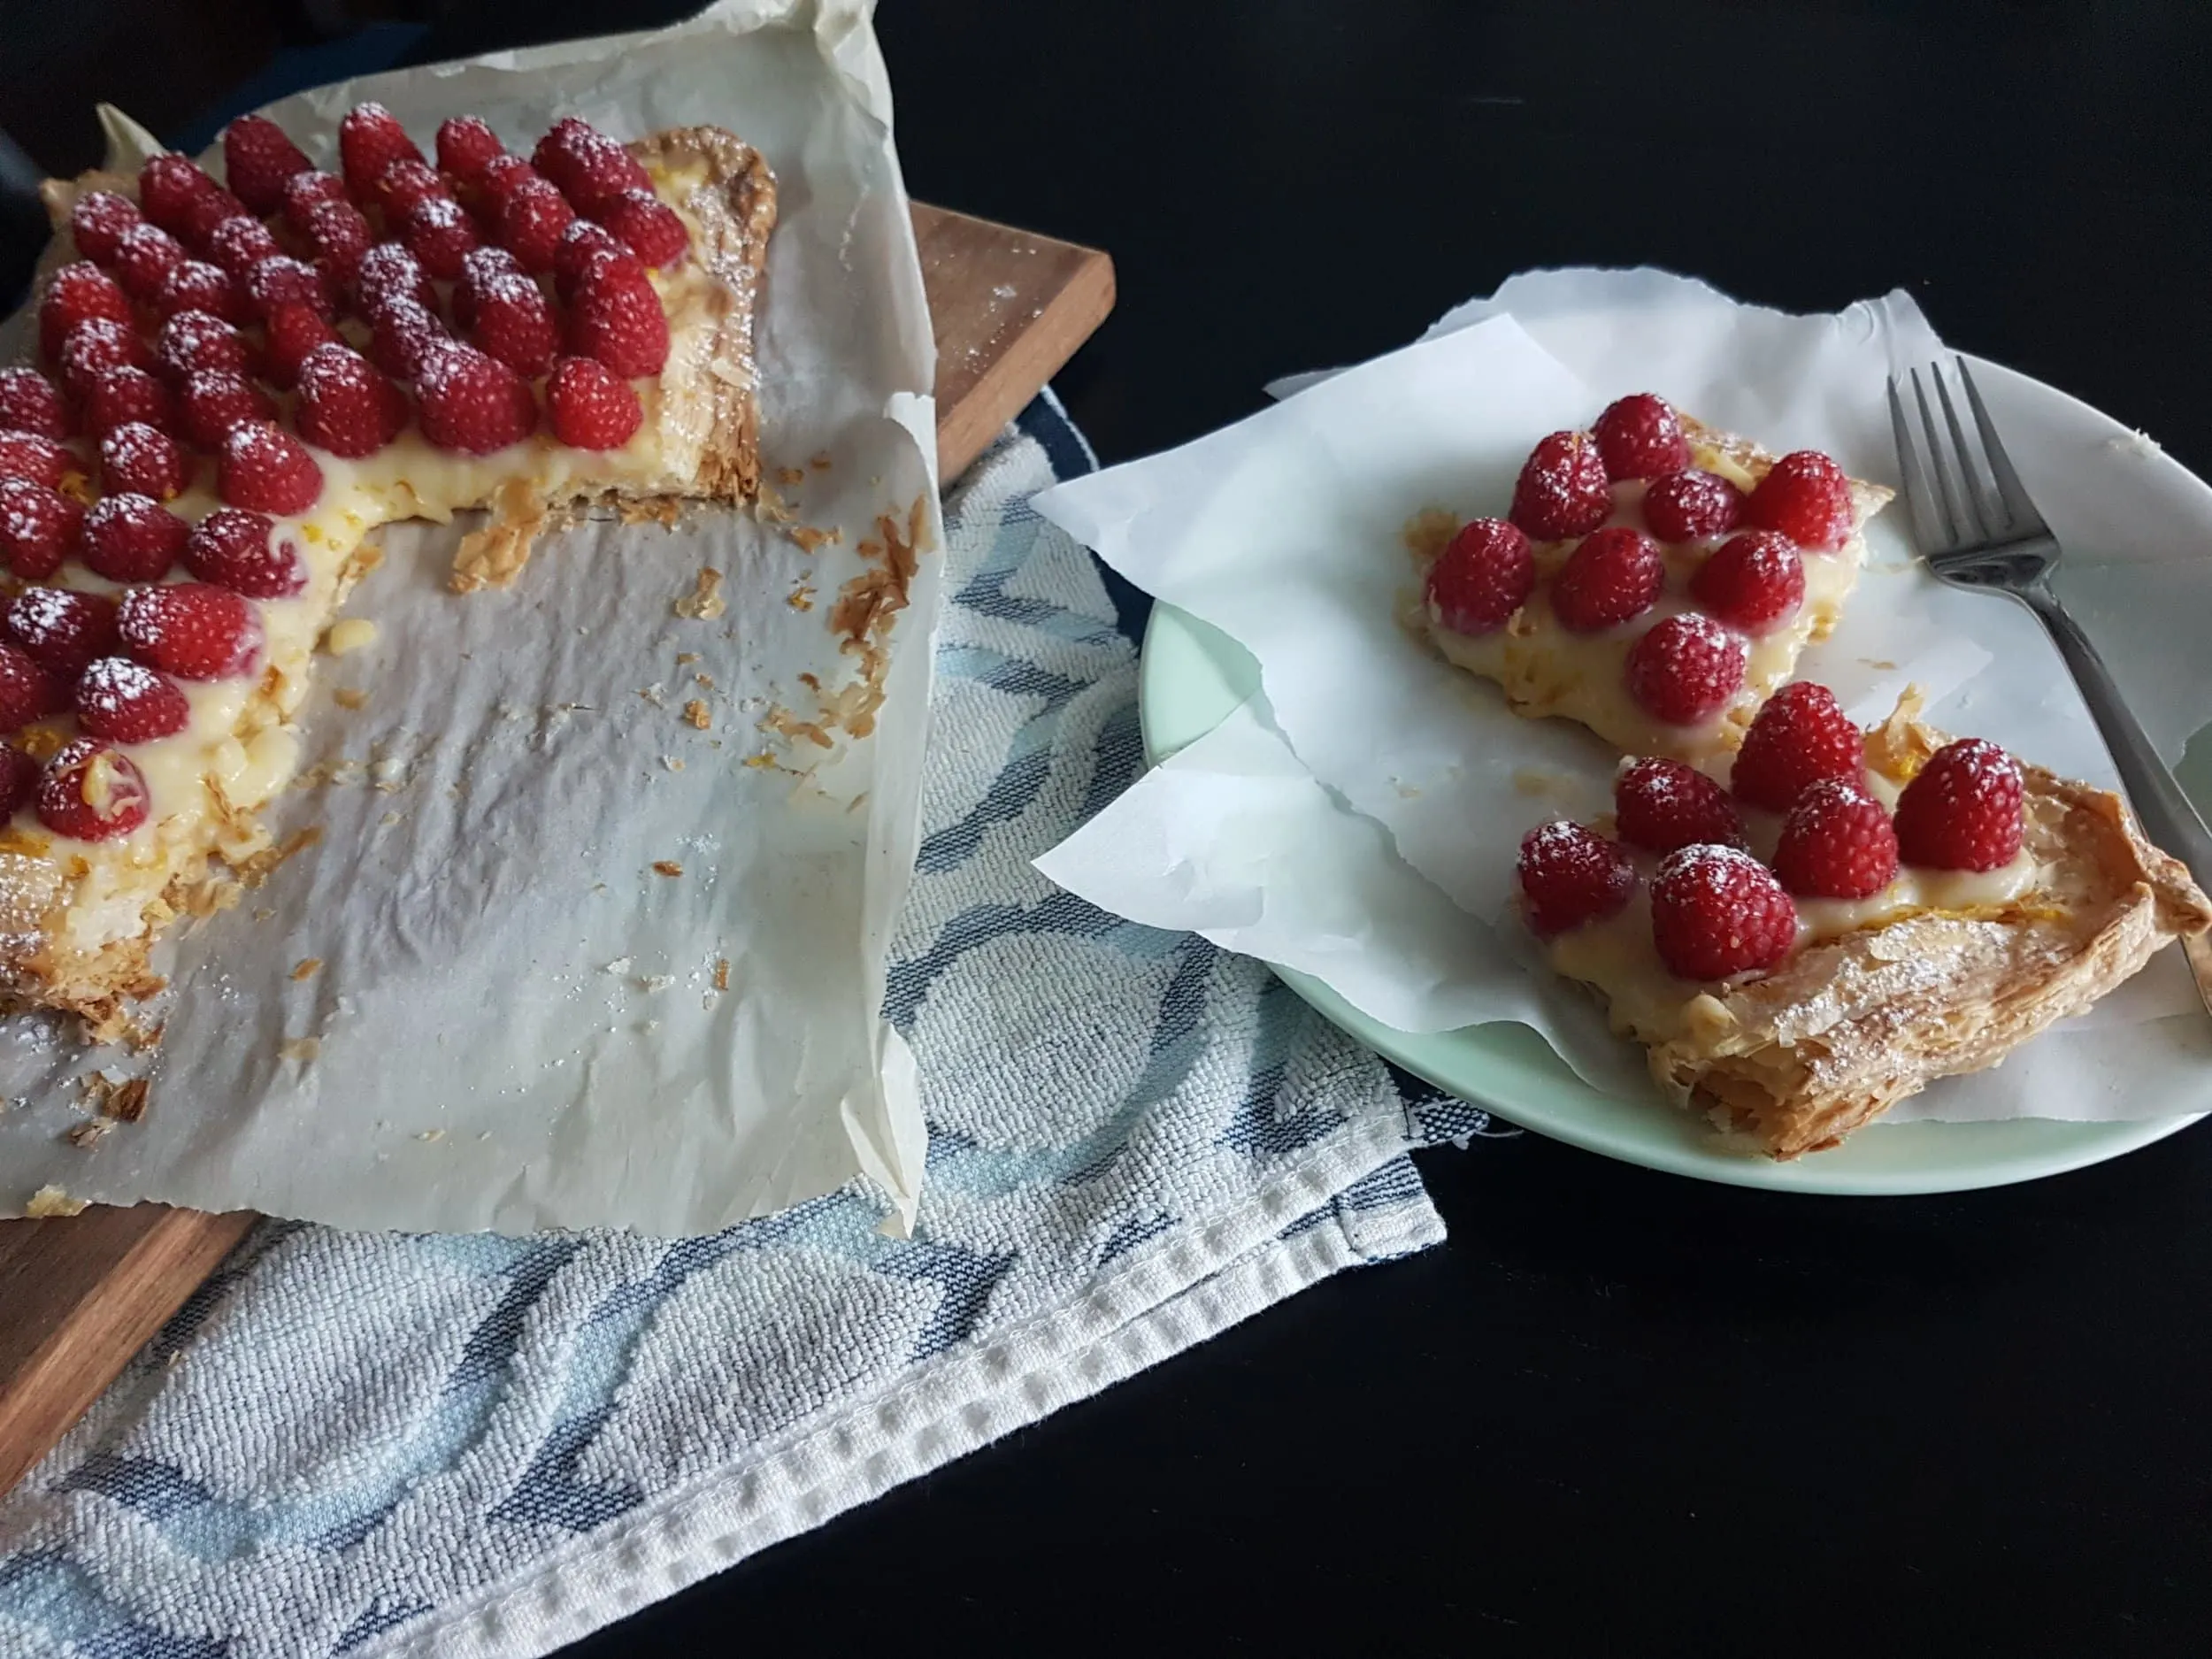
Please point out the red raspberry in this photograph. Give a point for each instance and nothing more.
(1805, 497)
(91, 791)
(27, 691)
(1964, 809)
(1640, 436)
(98, 220)
(439, 232)
(473, 403)
(648, 225)
(532, 217)
(1691, 505)
(389, 273)
(1752, 582)
(1612, 577)
(167, 186)
(139, 459)
(1800, 737)
(371, 139)
(346, 406)
(78, 294)
(39, 458)
(293, 331)
(1716, 911)
(62, 629)
(465, 144)
(1663, 805)
(480, 271)
(144, 257)
(591, 168)
(303, 190)
(286, 282)
(94, 348)
(39, 528)
(190, 630)
(1561, 491)
(193, 343)
(1570, 876)
(240, 550)
(267, 469)
(406, 182)
(1684, 669)
(592, 408)
(620, 323)
(18, 780)
(209, 215)
(405, 335)
(31, 402)
(259, 160)
(214, 401)
(514, 324)
(1837, 843)
(122, 395)
(500, 176)
(1483, 576)
(339, 235)
(241, 242)
(131, 537)
(195, 285)
(583, 247)
(129, 703)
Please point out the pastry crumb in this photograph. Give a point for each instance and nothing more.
(721, 973)
(766, 758)
(655, 982)
(674, 762)
(655, 694)
(800, 598)
(820, 462)
(705, 681)
(304, 1049)
(667, 867)
(790, 475)
(351, 697)
(812, 540)
(705, 602)
(684, 659)
(620, 964)
(53, 1201)
(307, 967)
(698, 714)
(86, 1136)
(354, 633)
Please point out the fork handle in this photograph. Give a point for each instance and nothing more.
(2166, 815)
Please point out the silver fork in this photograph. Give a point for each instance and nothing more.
(1977, 529)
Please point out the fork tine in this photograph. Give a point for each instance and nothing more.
(1919, 492)
(1974, 488)
(1954, 525)
(2018, 507)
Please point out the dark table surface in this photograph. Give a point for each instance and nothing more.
(1619, 1412)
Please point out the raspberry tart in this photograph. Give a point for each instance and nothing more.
(1846, 922)
(1654, 581)
(238, 381)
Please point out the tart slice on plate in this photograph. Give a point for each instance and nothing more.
(1855, 915)
(237, 382)
(1656, 580)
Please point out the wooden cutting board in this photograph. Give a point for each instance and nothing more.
(79, 1294)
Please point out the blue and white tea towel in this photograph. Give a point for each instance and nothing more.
(375, 1445)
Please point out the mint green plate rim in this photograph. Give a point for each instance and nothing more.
(1191, 676)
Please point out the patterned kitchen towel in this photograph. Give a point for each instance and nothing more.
(364, 1444)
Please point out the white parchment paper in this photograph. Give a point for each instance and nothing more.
(518, 1021)
(1357, 819)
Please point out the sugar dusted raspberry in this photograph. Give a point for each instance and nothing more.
(514, 324)
(167, 186)
(620, 323)
(1611, 578)
(246, 553)
(267, 469)
(39, 528)
(191, 630)
(75, 294)
(131, 537)
(18, 780)
(281, 281)
(371, 139)
(345, 405)
(303, 190)
(31, 402)
(532, 217)
(339, 235)
(1962, 811)
(144, 257)
(1691, 505)
(97, 221)
(207, 215)
(1753, 582)
(406, 182)
(129, 703)
(439, 232)
(584, 247)
(389, 273)
(193, 343)
(91, 791)
(96, 346)
(62, 629)
(1837, 843)
(215, 400)
(122, 395)
(1807, 498)
(197, 285)
(39, 458)
(1570, 876)
(465, 143)
(1684, 669)
(27, 691)
(1561, 491)
(591, 168)
(1640, 436)
(1801, 736)
(139, 459)
(473, 403)
(480, 271)
(591, 407)
(648, 226)
(1663, 805)
(501, 175)
(240, 243)
(1484, 574)
(1716, 911)
(293, 331)
(405, 335)
(258, 160)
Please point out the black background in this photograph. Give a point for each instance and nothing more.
(1619, 1412)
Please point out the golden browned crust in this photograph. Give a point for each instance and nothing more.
(1745, 462)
